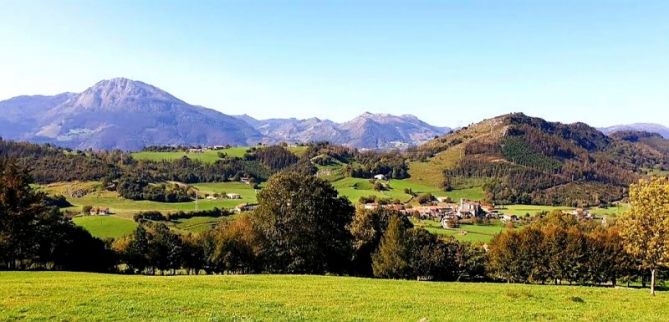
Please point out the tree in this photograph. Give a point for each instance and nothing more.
(390, 260)
(644, 229)
(303, 222)
(367, 228)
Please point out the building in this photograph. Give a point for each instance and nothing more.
(380, 177)
(245, 207)
(469, 209)
(233, 195)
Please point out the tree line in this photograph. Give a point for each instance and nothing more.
(302, 226)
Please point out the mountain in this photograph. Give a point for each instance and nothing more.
(371, 131)
(122, 114)
(129, 115)
(527, 160)
(644, 127)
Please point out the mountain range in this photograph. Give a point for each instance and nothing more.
(643, 127)
(129, 115)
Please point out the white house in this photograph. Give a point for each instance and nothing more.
(233, 195)
(380, 177)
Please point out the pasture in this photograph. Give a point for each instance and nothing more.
(86, 296)
(106, 226)
(97, 197)
(354, 188)
(466, 232)
(208, 156)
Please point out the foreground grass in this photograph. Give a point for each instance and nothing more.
(85, 296)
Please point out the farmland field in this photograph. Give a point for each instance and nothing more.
(208, 156)
(354, 188)
(106, 226)
(86, 296)
(96, 197)
(466, 232)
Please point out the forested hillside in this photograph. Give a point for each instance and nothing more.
(522, 159)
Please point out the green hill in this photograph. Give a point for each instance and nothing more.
(84, 296)
(527, 160)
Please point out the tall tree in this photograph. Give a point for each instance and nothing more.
(390, 260)
(303, 222)
(645, 227)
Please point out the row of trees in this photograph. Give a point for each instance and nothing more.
(302, 225)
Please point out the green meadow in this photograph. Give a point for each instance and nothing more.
(354, 188)
(106, 226)
(66, 296)
(466, 232)
(208, 156)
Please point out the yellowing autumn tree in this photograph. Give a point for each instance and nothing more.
(645, 227)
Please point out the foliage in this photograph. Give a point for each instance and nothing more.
(34, 235)
(303, 223)
(645, 228)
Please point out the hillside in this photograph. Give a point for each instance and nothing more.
(119, 114)
(85, 296)
(369, 131)
(522, 159)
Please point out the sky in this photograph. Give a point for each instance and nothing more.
(450, 63)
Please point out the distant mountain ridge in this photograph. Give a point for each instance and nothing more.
(125, 114)
(368, 130)
(644, 127)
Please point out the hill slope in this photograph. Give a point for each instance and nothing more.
(119, 113)
(522, 159)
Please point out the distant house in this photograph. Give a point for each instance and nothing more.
(246, 180)
(469, 209)
(380, 177)
(211, 197)
(449, 222)
(443, 199)
(509, 218)
(233, 195)
(100, 211)
(245, 207)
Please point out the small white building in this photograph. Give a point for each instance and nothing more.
(380, 177)
(233, 195)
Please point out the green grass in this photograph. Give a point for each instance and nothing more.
(354, 188)
(209, 156)
(106, 226)
(127, 208)
(84, 296)
(466, 232)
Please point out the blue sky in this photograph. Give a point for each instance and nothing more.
(448, 62)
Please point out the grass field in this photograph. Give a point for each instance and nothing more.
(106, 226)
(209, 156)
(466, 232)
(126, 208)
(83, 296)
(354, 188)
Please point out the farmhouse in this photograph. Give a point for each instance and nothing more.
(100, 211)
(469, 209)
(233, 195)
(246, 180)
(245, 207)
(380, 177)
(443, 199)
